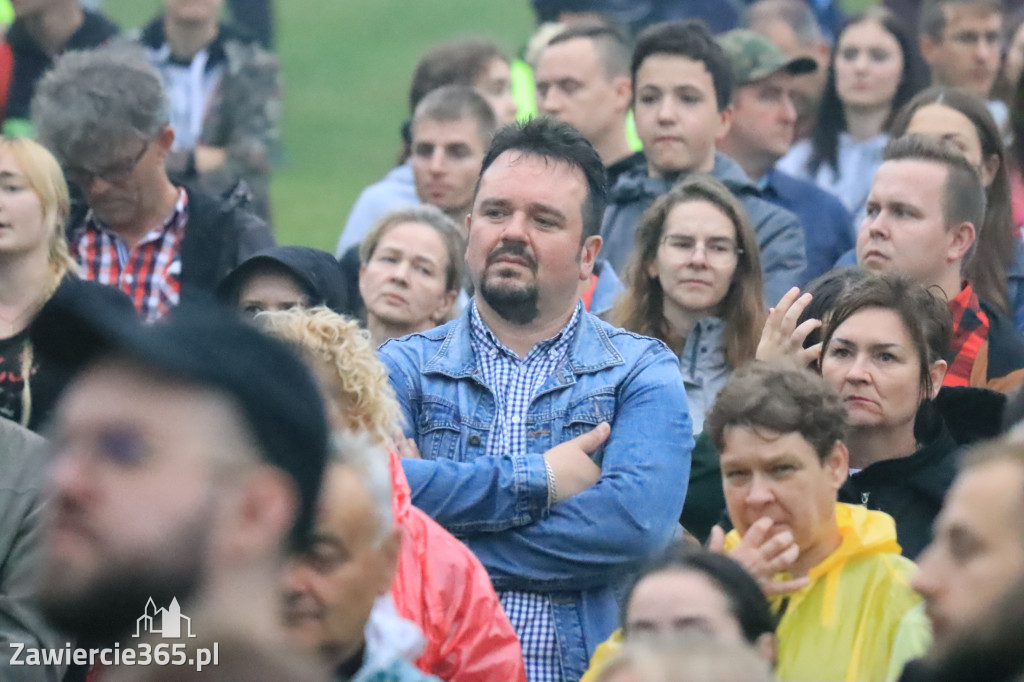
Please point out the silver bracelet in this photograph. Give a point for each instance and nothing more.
(552, 485)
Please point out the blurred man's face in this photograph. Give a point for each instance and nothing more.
(446, 160)
(190, 11)
(969, 51)
(330, 590)
(136, 500)
(978, 551)
(572, 85)
(121, 188)
(763, 121)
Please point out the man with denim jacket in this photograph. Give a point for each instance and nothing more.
(556, 447)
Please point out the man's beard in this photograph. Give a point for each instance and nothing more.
(517, 305)
(106, 608)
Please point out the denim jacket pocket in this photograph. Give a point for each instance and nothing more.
(584, 414)
(440, 436)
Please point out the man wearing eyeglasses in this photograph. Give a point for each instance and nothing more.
(104, 116)
(962, 42)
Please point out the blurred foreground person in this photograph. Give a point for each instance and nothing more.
(690, 591)
(438, 584)
(969, 573)
(180, 475)
(692, 658)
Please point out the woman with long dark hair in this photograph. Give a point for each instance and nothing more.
(873, 72)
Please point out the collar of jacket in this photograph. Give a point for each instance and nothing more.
(636, 184)
(154, 38)
(863, 532)
(590, 350)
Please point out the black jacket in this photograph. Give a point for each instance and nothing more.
(912, 489)
(219, 235)
(31, 62)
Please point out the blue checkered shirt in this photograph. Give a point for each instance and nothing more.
(515, 382)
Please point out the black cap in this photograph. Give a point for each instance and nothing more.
(318, 273)
(205, 345)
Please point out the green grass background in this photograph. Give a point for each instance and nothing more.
(346, 67)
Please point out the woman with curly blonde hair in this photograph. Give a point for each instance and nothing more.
(695, 283)
(439, 585)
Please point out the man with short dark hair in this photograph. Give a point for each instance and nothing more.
(180, 475)
(451, 129)
(104, 116)
(582, 78)
(682, 90)
(922, 218)
(832, 571)
(533, 418)
(962, 43)
(763, 124)
(473, 62)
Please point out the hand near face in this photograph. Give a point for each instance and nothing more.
(782, 337)
(570, 462)
(763, 557)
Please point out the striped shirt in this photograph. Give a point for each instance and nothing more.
(149, 272)
(515, 382)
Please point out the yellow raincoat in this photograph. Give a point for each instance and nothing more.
(858, 619)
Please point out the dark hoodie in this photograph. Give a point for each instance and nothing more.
(912, 489)
(316, 271)
(780, 238)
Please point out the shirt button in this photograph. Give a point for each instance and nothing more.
(474, 440)
(515, 419)
(129, 279)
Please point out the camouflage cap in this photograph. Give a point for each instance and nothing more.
(754, 57)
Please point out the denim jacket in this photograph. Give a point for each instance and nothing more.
(581, 550)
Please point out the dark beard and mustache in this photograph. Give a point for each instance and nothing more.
(106, 608)
(517, 305)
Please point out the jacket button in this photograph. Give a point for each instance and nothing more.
(474, 440)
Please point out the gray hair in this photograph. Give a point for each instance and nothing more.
(94, 101)
(797, 14)
(370, 462)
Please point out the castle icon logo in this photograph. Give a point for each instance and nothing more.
(168, 623)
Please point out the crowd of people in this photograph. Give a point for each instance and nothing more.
(708, 368)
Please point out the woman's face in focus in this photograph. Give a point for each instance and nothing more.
(873, 364)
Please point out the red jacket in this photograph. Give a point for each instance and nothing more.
(442, 587)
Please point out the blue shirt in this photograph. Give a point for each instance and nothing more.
(580, 551)
(516, 381)
(828, 229)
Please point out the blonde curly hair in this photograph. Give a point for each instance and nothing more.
(353, 381)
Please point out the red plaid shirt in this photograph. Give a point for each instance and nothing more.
(149, 272)
(970, 330)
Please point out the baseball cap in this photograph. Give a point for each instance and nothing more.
(206, 345)
(754, 57)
